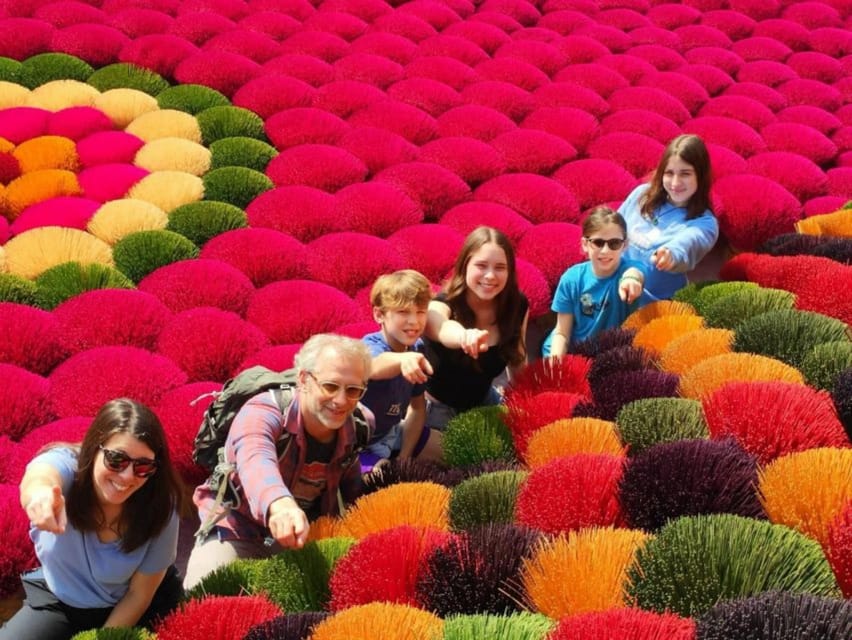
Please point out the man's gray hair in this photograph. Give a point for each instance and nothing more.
(306, 358)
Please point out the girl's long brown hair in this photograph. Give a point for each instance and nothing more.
(691, 149)
(148, 510)
(508, 307)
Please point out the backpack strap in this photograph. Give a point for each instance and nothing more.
(221, 480)
(363, 431)
(283, 397)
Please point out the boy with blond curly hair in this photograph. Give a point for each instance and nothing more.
(399, 371)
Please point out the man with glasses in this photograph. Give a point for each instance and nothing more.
(279, 491)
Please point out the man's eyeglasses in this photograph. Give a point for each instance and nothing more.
(330, 389)
(614, 244)
(118, 461)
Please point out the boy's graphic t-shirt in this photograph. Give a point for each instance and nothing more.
(388, 399)
(592, 301)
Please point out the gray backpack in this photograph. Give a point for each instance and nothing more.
(227, 403)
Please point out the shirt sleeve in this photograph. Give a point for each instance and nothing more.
(162, 550)
(693, 242)
(251, 444)
(64, 460)
(630, 207)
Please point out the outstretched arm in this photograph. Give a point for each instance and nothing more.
(411, 365)
(631, 285)
(451, 333)
(42, 499)
(136, 601)
(251, 444)
(412, 426)
(562, 334)
(686, 249)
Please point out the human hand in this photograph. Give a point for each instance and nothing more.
(629, 289)
(474, 342)
(46, 509)
(414, 367)
(288, 524)
(662, 259)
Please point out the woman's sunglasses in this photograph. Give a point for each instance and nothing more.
(614, 244)
(118, 461)
(330, 389)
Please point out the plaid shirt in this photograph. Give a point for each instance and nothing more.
(261, 477)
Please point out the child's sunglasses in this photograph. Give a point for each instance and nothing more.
(118, 461)
(614, 244)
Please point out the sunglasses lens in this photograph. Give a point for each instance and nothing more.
(329, 388)
(144, 468)
(355, 393)
(115, 460)
(352, 392)
(118, 461)
(614, 244)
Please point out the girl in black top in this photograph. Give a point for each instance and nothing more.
(475, 328)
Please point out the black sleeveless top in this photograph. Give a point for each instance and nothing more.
(458, 380)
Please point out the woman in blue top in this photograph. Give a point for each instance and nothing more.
(669, 221)
(104, 522)
(599, 293)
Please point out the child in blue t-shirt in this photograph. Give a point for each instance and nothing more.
(599, 293)
(399, 369)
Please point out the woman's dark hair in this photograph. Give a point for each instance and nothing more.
(691, 149)
(148, 510)
(509, 310)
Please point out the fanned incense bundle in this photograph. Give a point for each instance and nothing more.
(581, 572)
(772, 419)
(574, 435)
(216, 618)
(655, 336)
(624, 624)
(383, 566)
(778, 614)
(37, 250)
(807, 490)
(696, 561)
(380, 620)
(655, 310)
(571, 493)
(415, 504)
(686, 351)
(709, 375)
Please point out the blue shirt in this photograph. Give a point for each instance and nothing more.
(688, 240)
(84, 572)
(592, 301)
(388, 399)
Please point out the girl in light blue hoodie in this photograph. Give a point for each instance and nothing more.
(669, 222)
